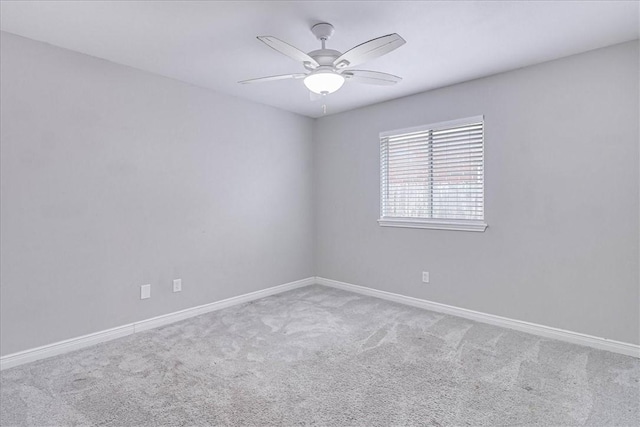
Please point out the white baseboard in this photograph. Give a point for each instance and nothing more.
(31, 355)
(60, 347)
(176, 316)
(518, 325)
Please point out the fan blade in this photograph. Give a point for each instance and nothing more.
(371, 77)
(369, 50)
(272, 78)
(288, 50)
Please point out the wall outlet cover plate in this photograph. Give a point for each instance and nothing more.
(145, 291)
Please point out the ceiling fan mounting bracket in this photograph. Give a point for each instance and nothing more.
(323, 31)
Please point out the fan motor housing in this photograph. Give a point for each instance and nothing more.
(325, 56)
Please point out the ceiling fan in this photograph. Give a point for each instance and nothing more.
(328, 69)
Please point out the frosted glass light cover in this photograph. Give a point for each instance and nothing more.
(323, 82)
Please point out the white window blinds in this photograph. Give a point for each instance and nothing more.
(433, 176)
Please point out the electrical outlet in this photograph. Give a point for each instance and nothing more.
(425, 277)
(177, 285)
(145, 291)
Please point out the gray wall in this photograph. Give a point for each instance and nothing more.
(561, 198)
(112, 178)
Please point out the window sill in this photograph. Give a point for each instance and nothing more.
(433, 224)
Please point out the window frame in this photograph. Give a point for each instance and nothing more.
(430, 223)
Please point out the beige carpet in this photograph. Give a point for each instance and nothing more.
(320, 356)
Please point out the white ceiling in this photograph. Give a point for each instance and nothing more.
(213, 44)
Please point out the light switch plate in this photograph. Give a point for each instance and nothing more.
(177, 285)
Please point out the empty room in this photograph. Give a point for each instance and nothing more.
(328, 213)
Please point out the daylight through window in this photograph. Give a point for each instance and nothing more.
(433, 176)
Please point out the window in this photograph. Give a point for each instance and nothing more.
(433, 176)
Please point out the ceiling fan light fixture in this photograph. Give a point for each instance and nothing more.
(323, 81)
